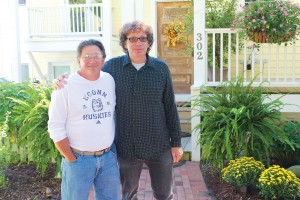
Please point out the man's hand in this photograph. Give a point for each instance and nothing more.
(60, 81)
(65, 150)
(177, 154)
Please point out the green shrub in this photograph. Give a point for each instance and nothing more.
(236, 121)
(27, 111)
(2, 179)
(2, 167)
(32, 114)
(218, 14)
(276, 183)
(243, 171)
(10, 153)
(281, 153)
(9, 89)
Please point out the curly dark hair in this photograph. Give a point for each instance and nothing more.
(132, 27)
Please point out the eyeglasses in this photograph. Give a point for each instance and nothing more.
(135, 39)
(88, 57)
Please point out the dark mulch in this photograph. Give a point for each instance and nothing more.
(224, 191)
(25, 183)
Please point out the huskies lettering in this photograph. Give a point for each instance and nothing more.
(97, 116)
(93, 93)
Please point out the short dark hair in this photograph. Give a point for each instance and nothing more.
(90, 42)
(132, 27)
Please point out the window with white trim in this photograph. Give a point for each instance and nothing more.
(57, 69)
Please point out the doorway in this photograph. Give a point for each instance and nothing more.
(178, 60)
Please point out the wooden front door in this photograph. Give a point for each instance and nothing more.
(180, 63)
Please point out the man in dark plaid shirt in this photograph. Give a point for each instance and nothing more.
(148, 127)
(147, 123)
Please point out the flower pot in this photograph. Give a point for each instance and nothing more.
(259, 37)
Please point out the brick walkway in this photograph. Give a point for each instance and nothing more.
(188, 184)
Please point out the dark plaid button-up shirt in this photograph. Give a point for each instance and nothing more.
(147, 122)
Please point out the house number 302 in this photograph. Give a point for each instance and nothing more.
(199, 46)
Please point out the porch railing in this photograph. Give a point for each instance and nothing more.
(227, 59)
(65, 20)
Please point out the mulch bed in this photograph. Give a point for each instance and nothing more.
(222, 190)
(25, 183)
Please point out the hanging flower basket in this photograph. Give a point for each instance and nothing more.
(275, 21)
(259, 37)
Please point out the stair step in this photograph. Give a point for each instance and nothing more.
(186, 144)
(184, 112)
(185, 127)
(184, 115)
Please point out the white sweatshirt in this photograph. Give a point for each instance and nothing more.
(83, 111)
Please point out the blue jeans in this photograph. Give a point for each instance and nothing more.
(100, 171)
(161, 174)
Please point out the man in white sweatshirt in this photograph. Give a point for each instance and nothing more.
(81, 124)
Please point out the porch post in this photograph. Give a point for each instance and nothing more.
(107, 27)
(199, 68)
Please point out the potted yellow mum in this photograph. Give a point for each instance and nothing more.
(278, 183)
(243, 172)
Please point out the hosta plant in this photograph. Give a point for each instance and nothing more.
(279, 183)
